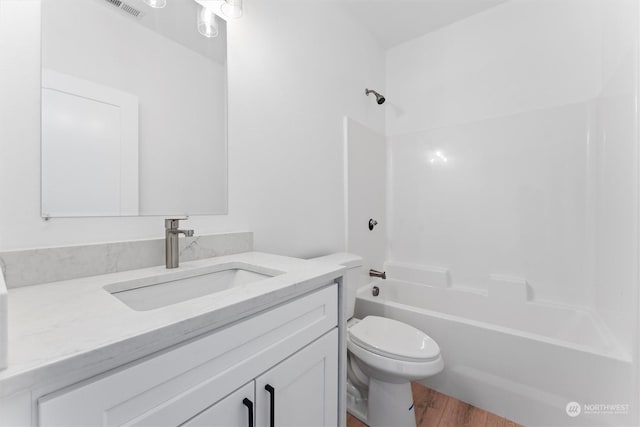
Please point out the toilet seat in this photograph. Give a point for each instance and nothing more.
(395, 340)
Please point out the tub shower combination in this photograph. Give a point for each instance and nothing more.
(525, 360)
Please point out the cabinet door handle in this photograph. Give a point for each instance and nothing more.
(272, 405)
(249, 405)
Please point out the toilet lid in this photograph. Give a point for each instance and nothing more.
(390, 338)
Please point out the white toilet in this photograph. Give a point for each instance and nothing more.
(384, 356)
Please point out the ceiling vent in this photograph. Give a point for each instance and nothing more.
(126, 8)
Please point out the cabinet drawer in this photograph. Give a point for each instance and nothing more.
(171, 387)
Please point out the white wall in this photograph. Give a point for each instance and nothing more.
(366, 155)
(296, 68)
(294, 72)
(502, 96)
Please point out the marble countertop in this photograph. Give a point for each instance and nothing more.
(62, 332)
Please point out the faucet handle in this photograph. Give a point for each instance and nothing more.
(173, 223)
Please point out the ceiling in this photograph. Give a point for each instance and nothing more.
(391, 22)
(177, 21)
(395, 21)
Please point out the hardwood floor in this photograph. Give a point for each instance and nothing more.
(435, 409)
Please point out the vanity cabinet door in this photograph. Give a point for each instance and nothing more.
(304, 387)
(235, 410)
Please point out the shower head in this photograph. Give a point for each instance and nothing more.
(379, 98)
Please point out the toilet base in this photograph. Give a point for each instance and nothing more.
(386, 405)
(356, 399)
(390, 405)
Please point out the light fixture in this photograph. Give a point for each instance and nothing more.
(156, 4)
(207, 22)
(232, 8)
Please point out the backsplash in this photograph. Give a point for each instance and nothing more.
(43, 265)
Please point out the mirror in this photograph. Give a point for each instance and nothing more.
(133, 109)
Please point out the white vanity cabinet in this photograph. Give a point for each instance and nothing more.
(300, 391)
(292, 349)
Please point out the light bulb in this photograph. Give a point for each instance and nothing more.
(156, 4)
(232, 8)
(207, 22)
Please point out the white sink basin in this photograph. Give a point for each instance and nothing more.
(142, 295)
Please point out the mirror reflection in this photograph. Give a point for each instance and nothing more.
(133, 108)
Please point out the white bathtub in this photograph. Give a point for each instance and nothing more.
(523, 361)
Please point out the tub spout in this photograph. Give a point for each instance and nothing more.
(376, 273)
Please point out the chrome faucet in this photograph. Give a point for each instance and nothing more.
(376, 273)
(171, 232)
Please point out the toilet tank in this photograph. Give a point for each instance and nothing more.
(353, 278)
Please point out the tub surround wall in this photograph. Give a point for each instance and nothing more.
(509, 290)
(500, 288)
(614, 170)
(34, 266)
(429, 275)
(519, 124)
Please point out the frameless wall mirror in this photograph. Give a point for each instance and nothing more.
(133, 108)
